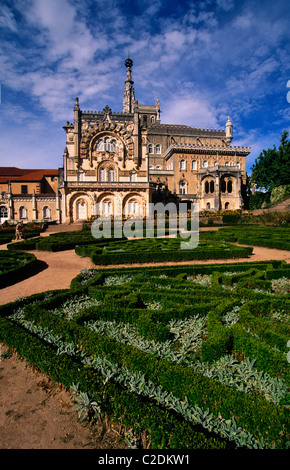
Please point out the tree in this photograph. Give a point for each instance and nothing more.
(272, 167)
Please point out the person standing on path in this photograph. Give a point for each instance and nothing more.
(19, 230)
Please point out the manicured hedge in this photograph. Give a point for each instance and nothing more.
(146, 301)
(15, 267)
(267, 236)
(161, 250)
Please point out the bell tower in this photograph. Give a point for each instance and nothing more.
(129, 95)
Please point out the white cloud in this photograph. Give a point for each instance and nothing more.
(7, 19)
(190, 110)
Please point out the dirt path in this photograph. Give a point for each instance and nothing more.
(35, 412)
(63, 266)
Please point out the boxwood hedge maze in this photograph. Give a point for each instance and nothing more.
(195, 357)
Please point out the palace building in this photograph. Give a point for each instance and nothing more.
(116, 163)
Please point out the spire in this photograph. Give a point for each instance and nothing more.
(129, 96)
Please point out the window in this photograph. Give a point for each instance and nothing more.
(46, 212)
(111, 175)
(158, 167)
(194, 165)
(227, 163)
(107, 208)
(150, 148)
(3, 213)
(22, 212)
(152, 119)
(223, 186)
(133, 177)
(182, 187)
(103, 174)
(81, 177)
(107, 145)
(230, 186)
(205, 164)
(158, 148)
(211, 185)
(206, 187)
(24, 189)
(227, 205)
(133, 208)
(182, 164)
(208, 205)
(216, 163)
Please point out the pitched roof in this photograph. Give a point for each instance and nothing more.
(19, 174)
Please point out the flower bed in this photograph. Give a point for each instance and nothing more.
(196, 356)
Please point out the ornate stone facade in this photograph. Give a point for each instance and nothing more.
(115, 163)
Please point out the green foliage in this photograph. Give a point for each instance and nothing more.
(194, 355)
(272, 167)
(14, 267)
(279, 193)
(159, 250)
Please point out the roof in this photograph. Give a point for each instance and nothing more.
(19, 174)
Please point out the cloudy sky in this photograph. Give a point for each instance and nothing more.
(205, 60)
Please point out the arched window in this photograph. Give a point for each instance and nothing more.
(205, 164)
(182, 165)
(46, 212)
(107, 145)
(227, 163)
(22, 212)
(206, 187)
(158, 148)
(3, 213)
(107, 208)
(194, 165)
(223, 186)
(230, 186)
(182, 187)
(227, 205)
(152, 119)
(100, 145)
(211, 186)
(111, 175)
(102, 174)
(150, 148)
(208, 205)
(133, 208)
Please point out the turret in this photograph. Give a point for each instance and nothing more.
(229, 131)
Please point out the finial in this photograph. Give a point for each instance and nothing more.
(129, 63)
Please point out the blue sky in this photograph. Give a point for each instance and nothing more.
(205, 60)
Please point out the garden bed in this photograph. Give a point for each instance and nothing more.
(158, 250)
(14, 267)
(195, 355)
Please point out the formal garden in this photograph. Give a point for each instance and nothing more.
(183, 356)
(186, 356)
